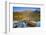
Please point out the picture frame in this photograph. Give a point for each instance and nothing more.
(10, 17)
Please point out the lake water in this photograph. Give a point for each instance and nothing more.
(23, 24)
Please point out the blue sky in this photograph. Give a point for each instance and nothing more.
(24, 8)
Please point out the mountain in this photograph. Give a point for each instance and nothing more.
(26, 15)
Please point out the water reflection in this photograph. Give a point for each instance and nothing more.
(23, 24)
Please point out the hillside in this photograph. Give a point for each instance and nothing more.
(26, 15)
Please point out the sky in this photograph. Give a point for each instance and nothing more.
(20, 9)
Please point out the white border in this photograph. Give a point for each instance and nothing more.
(32, 29)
